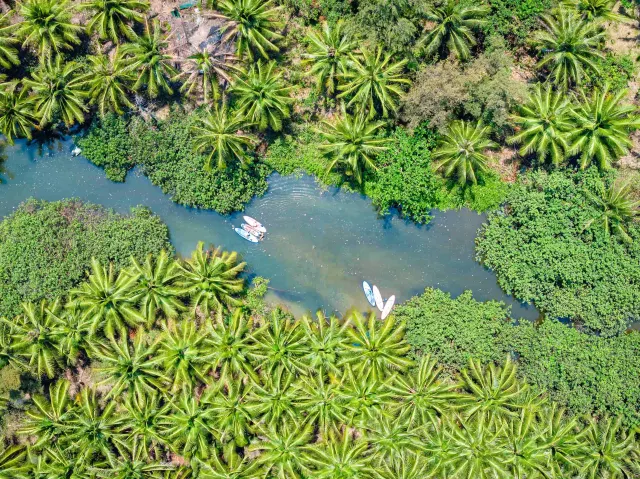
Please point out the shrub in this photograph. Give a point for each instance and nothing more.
(541, 253)
(515, 19)
(613, 70)
(46, 248)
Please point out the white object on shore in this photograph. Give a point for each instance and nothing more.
(255, 223)
(388, 307)
(378, 297)
(76, 151)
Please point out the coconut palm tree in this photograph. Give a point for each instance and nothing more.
(543, 125)
(47, 26)
(47, 420)
(373, 83)
(147, 57)
(108, 300)
(232, 411)
(601, 124)
(206, 70)
(262, 97)
(16, 114)
(219, 134)
(364, 397)
(232, 467)
(36, 334)
(130, 366)
(75, 337)
(283, 450)
(595, 10)
(58, 92)
(352, 142)
(108, 82)
(61, 463)
(422, 396)
(184, 354)
(8, 52)
(274, 400)
(279, 345)
(10, 350)
(328, 54)
(616, 208)
(528, 454)
(12, 462)
(568, 45)
(210, 279)
(253, 25)
(133, 464)
(112, 18)
(230, 338)
(156, 286)
(461, 151)
(319, 398)
(340, 455)
(143, 421)
(390, 439)
(608, 450)
(191, 432)
(324, 340)
(374, 348)
(454, 22)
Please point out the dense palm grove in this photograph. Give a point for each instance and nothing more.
(171, 374)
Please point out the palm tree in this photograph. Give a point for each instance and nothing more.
(453, 31)
(108, 83)
(321, 402)
(495, 390)
(569, 45)
(274, 402)
(279, 345)
(233, 467)
(47, 26)
(206, 70)
(559, 434)
(111, 18)
(608, 450)
(601, 127)
(595, 10)
(461, 151)
(156, 286)
(48, 419)
(108, 300)
(390, 439)
(232, 411)
(10, 350)
(219, 133)
(262, 97)
(130, 367)
(61, 463)
(340, 455)
(184, 355)
(75, 337)
(144, 420)
(374, 348)
(616, 207)
(374, 83)
(529, 454)
(328, 53)
(16, 114)
(58, 92)
(36, 334)
(210, 278)
(8, 53)
(252, 24)
(134, 464)
(543, 124)
(283, 450)
(422, 396)
(191, 432)
(364, 397)
(352, 142)
(147, 57)
(230, 339)
(12, 462)
(324, 340)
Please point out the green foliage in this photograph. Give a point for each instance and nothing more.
(588, 374)
(613, 70)
(107, 144)
(166, 152)
(46, 248)
(515, 19)
(541, 252)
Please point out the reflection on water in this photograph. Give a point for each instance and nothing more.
(320, 245)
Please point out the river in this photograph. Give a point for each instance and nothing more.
(321, 243)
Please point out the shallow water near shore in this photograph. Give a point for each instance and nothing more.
(321, 243)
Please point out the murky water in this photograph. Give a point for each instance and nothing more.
(320, 246)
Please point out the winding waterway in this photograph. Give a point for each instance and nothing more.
(321, 243)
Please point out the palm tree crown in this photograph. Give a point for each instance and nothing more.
(461, 151)
(108, 83)
(453, 31)
(16, 114)
(111, 17)
(616, 207)
(8, 52)
(207, 69)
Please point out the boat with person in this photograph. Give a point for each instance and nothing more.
(246, 235)
(255, 223)
(253, 230)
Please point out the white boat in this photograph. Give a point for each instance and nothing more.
(255, 223)
(252, 230)
(76, 151)
(378, 298)
(246, 235)
(388, 307)
(368, 293)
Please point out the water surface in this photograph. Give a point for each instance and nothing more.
(321, 243)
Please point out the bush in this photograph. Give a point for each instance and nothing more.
(541, 253)
(166, 154)
(613, 70)
(45, 248)
(515, 19)
(586, 373)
